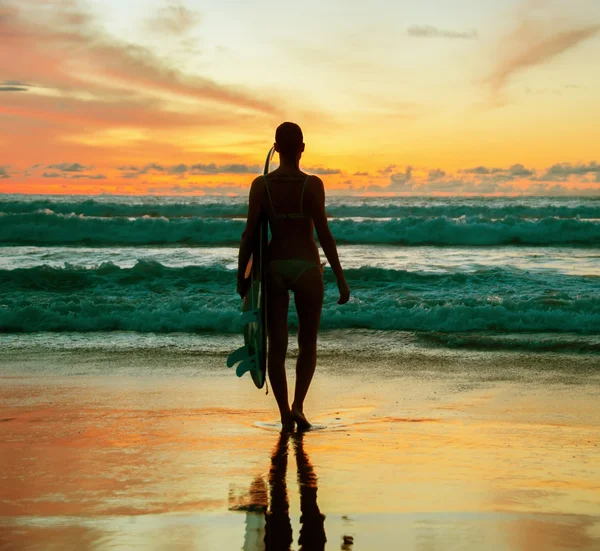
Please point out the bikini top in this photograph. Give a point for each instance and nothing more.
(292, 215)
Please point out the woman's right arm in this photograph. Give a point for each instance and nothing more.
(326, 238)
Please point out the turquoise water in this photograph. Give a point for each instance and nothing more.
(490, 273)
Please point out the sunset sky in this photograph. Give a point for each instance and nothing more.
(428, 97)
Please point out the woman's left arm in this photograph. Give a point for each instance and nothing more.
(248, 237)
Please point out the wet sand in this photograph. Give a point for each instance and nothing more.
(417, 452)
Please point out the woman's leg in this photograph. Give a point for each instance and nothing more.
(277, 325)
(308, 297)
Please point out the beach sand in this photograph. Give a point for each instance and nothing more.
(419, 451)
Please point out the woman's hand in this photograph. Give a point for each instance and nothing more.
(344, 291)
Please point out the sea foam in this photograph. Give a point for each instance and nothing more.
(49, 228)
(153, 298)
(345, 207)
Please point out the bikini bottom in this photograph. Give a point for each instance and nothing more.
(287, 272)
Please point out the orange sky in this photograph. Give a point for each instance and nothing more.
(183, 97)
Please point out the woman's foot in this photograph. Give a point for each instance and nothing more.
(298, 416)
(287, 423)
(287, 426)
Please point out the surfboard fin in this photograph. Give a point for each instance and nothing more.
(249, 364)
(236, 356)
(246, 361)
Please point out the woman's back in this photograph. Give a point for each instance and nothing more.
(287, 201)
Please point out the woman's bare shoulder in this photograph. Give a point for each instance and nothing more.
(258, 183)
(257, 188)
(314, 184)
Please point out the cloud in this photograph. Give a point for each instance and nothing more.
(516, 179)
(69, 167)
(501, 174)
(400, 179)
(428, 31)
(174, 19)
(177, 169)
(480, 170)
(563, 171)
(68, 175)
(3, 173)
(519, 171)
(131, 172)
(436, 174)
(18, 83)
(13, 89)
(88, 176)
(361, 174)
(152, 166)
(96, 95)
(212, 168)
(387, 170)
(322, 171)
(240, 169)
(533, 42)
(202, 168)
(74, 58)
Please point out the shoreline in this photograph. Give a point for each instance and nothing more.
(401, 361)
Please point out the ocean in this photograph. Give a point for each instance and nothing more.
(427, 273)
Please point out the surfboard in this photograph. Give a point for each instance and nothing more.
(252, 357)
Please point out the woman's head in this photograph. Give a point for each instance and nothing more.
(289, 141)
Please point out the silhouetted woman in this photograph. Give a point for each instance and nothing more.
(294, 203)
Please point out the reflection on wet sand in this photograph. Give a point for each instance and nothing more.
(277, 534)
(125, 464)
(278, 529)
(312, 531)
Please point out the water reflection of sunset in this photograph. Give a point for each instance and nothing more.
(151, 460)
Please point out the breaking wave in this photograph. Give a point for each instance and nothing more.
(150, 297)
(336, 208)
(49, 228)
